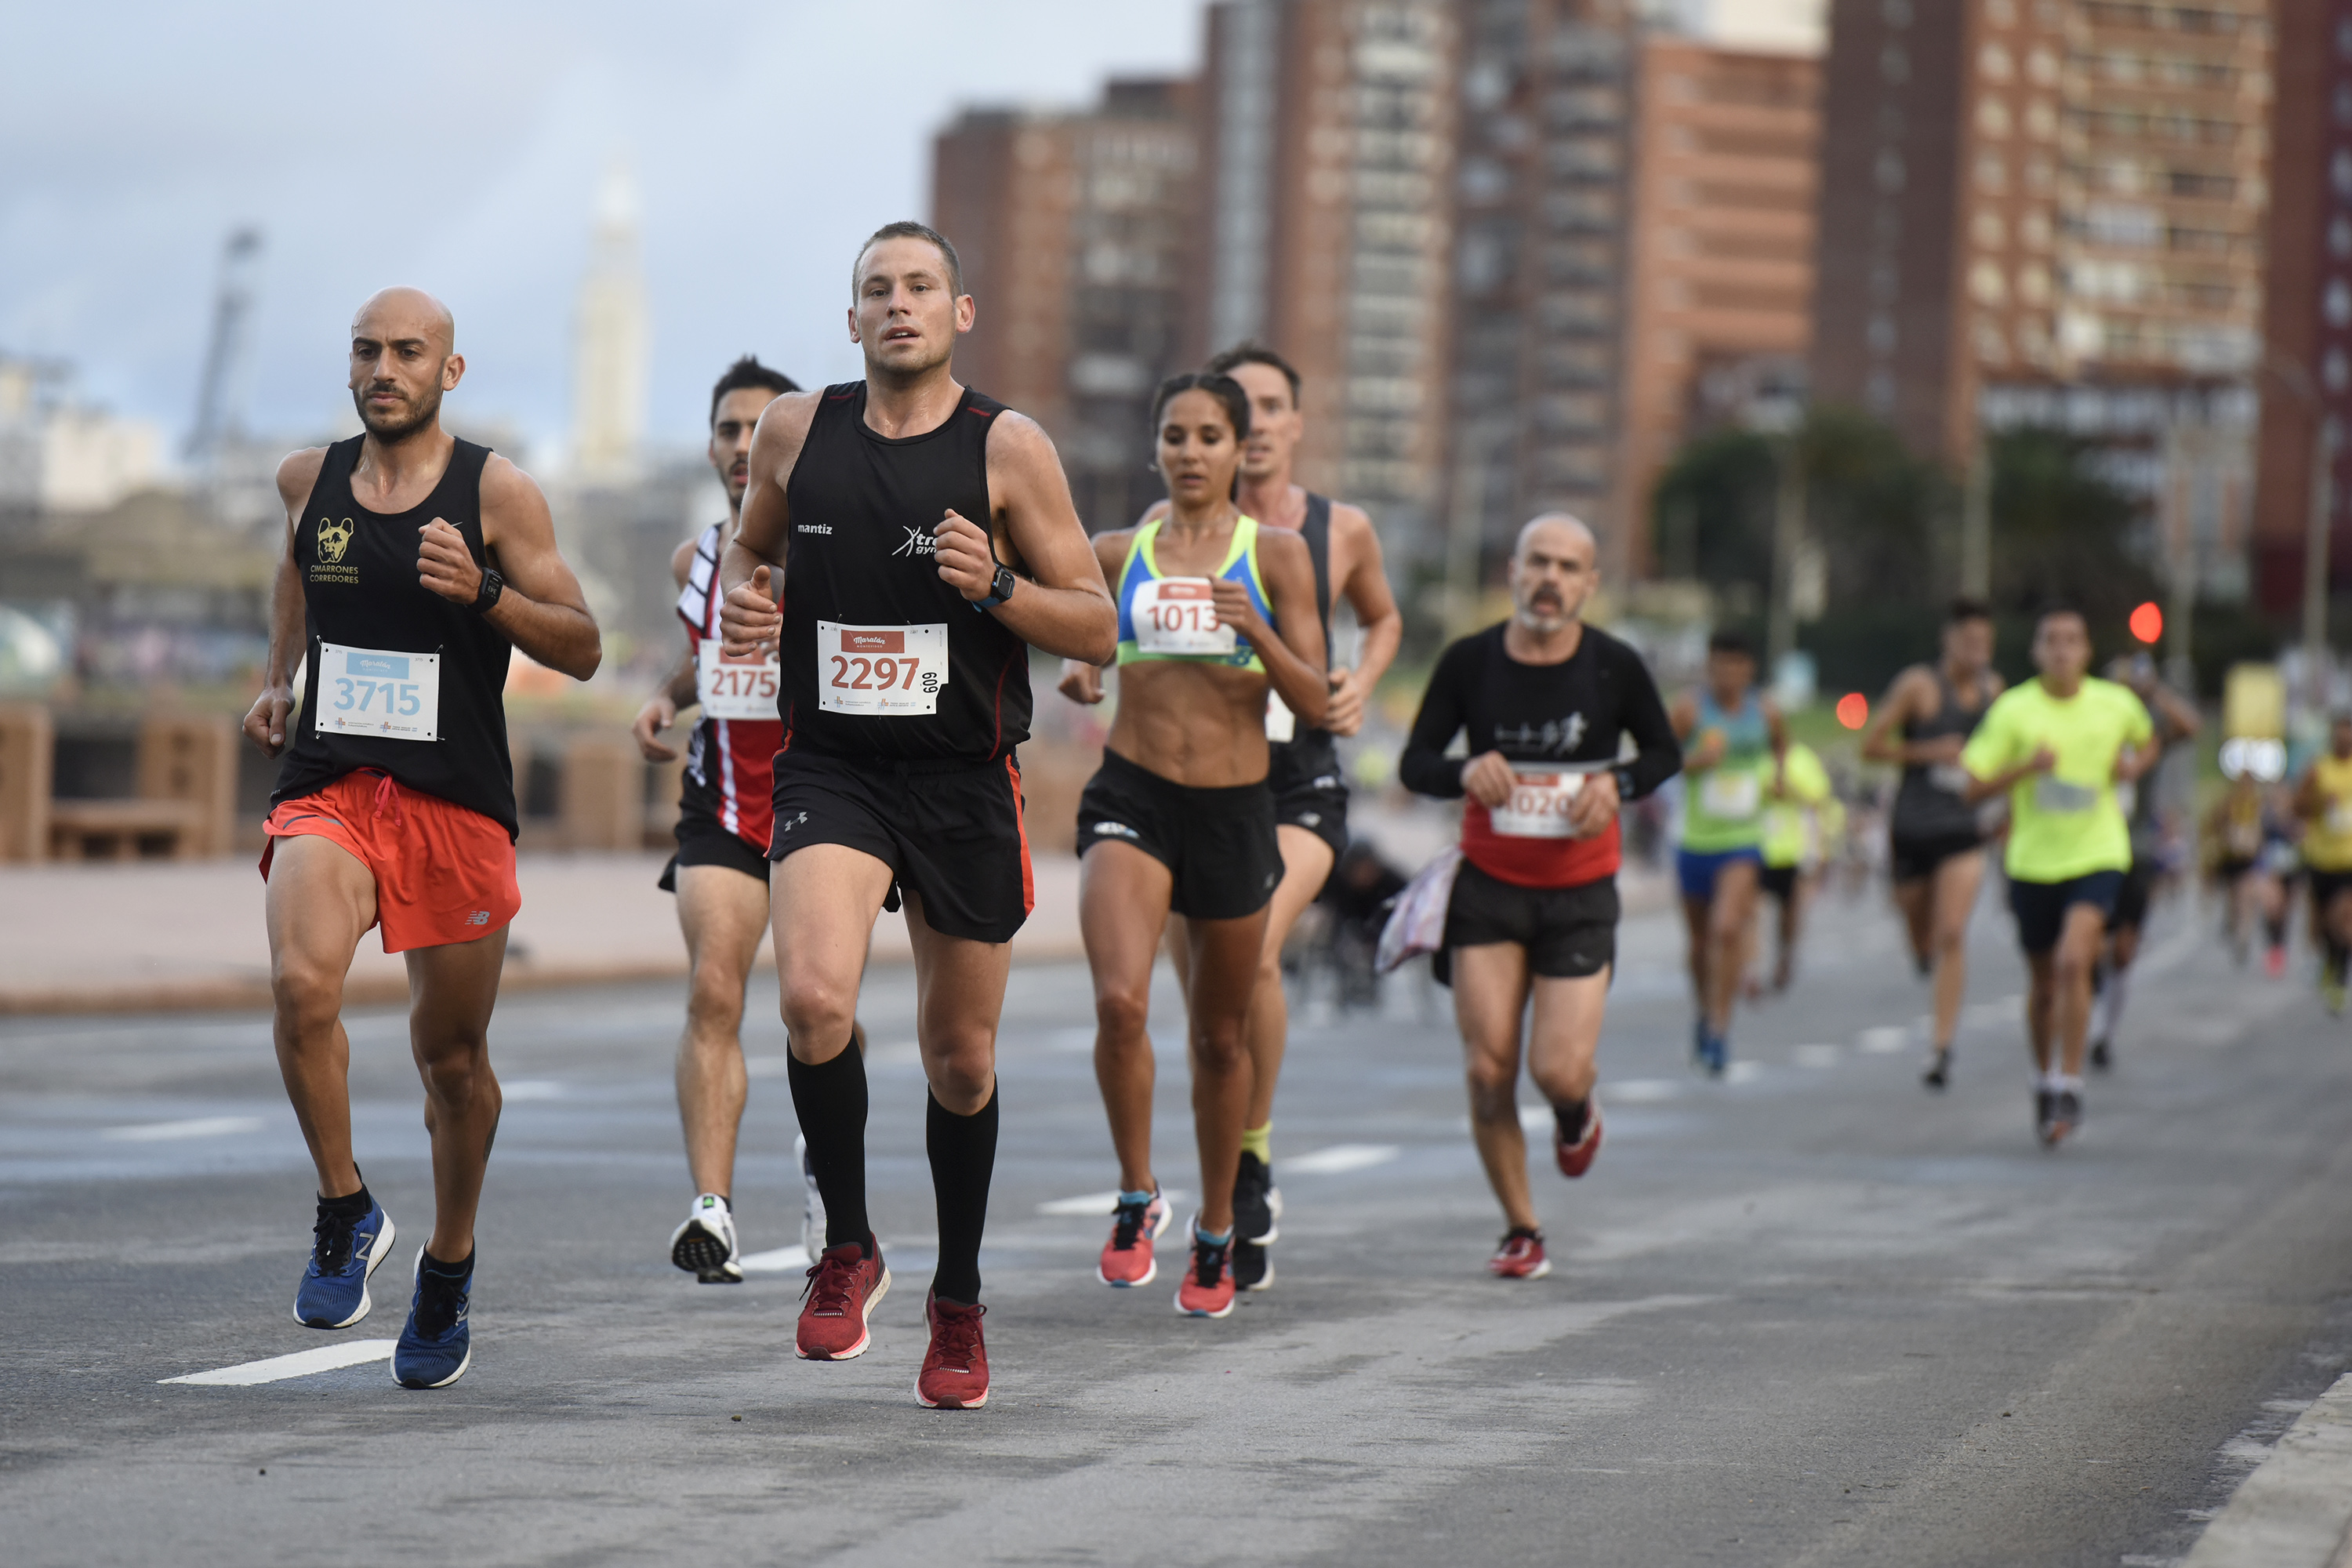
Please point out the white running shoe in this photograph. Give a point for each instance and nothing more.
(812, 1203)
(705, 1244)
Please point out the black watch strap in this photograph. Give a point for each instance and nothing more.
(493, 584)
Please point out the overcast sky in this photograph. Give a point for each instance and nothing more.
(459, 147)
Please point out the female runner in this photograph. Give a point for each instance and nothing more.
(1213, 611)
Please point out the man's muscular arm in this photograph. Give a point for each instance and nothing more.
(1367, 592)
(542, 610)
(1061, 606)
(751, 567)
(265, 722)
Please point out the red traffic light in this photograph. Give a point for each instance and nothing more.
(1853, 709)
(2148, 623)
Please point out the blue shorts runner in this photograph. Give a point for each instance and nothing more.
(2040, 907)
(1698, 868)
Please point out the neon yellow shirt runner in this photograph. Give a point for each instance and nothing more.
(2065, 823)
(1797, 819)
(2327, 840)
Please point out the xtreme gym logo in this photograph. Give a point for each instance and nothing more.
(919, 542)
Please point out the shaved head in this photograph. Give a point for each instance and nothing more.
(390, 314)
(404, 357)
(1563, 530)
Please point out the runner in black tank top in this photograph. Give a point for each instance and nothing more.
(919, 535)
(1933, 837)
(414, 562)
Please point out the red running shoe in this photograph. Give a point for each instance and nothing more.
(1126, 1258)
(955, 1369)
(844, 1288)
(1208, 1288)
(1576, 1158)
(1521, 1256)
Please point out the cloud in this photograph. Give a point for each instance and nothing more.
(458, 148)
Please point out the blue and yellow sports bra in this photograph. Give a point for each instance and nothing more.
(1162, 618)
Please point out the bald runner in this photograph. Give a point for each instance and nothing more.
(414, 562)
(1546, 704)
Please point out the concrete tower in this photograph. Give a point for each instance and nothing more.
(609, 351)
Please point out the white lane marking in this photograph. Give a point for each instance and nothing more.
(531, 1089)
(1071, 1042)
(897, 1053)
(1098, 1206)
(193, 1127)
(1644, 1090)
(1816, 1055)
(1537, 1118)
(781, 1260)
(1341, 1158)
(1883, 1041)
(766, 1067)
(1743, 1072)
(301, 1364)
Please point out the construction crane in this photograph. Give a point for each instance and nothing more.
(221, 397)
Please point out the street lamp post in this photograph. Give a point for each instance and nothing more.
(1779, 417)
(2315, 563)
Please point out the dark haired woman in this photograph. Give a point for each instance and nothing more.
(1213, 613)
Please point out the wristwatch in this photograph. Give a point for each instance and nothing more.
(492, 586)
(1000, 588)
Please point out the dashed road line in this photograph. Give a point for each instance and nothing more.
(189, 1127)
(301, 1364)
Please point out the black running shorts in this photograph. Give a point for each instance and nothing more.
(1779, 881)
(2040, 907)
(2131, 899)
(1219, 844)
(1569, 932)
(2326, 885)
(1911, 856)
(1309, 791)
(950, 832)
(702, 841)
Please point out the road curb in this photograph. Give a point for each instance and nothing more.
(2295, 1509)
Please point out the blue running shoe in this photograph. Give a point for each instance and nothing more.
(436, 1347)
(343, 1252)
(1715, 1054)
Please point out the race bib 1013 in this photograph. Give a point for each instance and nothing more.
(373, 691)
(880, 672)
(1179, 615)
(742, 688)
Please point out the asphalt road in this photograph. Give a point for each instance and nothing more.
(1811, 1315)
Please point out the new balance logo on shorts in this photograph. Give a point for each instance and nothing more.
(1116, 830)
(479, 918)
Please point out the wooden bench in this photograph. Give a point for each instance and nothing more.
(185, 809)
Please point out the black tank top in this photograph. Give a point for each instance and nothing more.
(863, 506)
(1928, 803)
(1310, 755)
(359, 590)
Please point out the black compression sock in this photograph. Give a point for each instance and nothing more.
(354, 1205)
(461, 1269)
(963, 1157)
(1571, 1115)
(830, 1100)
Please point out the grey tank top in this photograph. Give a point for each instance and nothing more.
(1929, 803)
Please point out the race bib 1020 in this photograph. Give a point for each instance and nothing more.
(880, 672)
(373, 691)
(1538, 804)
(1179, 615)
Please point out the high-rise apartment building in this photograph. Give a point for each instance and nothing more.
(1720, 279)
(2043, 211)
(1328, 152)
(1077, 236)
(2307, 297)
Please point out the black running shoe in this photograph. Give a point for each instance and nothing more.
(2045, 1104)
(1938, 1075)
(2100, 1057)
(1253, 1266)
(1256, 1205)
(2065, 1116)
